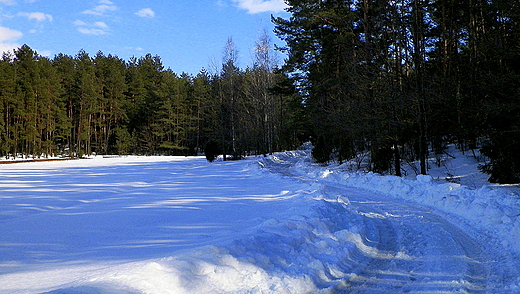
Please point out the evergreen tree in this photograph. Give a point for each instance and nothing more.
(27, 100)
(499, 77)
(205, 110)
(321, 45)
(144, 93)
(52, 118)
(110, 70)
(86, 106)
(7, 104)
(174, 126)
(65, 67)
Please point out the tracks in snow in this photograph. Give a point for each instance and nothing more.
(418, 251)
(404, 247)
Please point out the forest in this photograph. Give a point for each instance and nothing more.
(82, 105)
(399, 80)
(392, 81)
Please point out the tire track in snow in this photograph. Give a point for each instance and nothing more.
(404, 247)
(429, 253)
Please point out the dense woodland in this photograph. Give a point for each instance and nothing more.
(391, 81)
(400, 79)
(81, 105)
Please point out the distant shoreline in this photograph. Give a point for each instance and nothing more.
(34, 160)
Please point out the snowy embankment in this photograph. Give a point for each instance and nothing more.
(488, 207)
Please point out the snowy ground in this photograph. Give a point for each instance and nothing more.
(270, 225)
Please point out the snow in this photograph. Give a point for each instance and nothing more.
(279, 224)
(491, 207)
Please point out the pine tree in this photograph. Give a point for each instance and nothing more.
(322, 49)
(7, 100)
(52, 119)
(65, 67)
(499, 76)
(110, 70)
(88, 94)
(25, 111)
(205, 112)
(144, 80)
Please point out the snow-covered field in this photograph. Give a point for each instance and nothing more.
(264, 225)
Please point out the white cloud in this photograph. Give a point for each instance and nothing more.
(104, 7)
(98, 28)
(258, 6)
(80, 23)
(8, 37)
(8, 2)
(39, 16)
(100, 24)
(146, 12)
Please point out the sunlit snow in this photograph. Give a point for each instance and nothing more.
(263, 225)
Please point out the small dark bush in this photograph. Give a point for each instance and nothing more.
(211, 150)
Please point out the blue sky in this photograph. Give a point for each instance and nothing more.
(188, 35)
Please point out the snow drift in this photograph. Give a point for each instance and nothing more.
(496, 210)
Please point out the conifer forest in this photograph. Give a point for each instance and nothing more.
(82, 105)
(392, 81)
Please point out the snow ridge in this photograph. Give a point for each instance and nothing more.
(493, 209)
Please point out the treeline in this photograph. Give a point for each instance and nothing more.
(81, 105)
(401, 79)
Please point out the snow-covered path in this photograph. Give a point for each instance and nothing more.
(404, 247)
(179, 225)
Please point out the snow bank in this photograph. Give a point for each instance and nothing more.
(317, 248)
(309, 252)
(496, 210)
